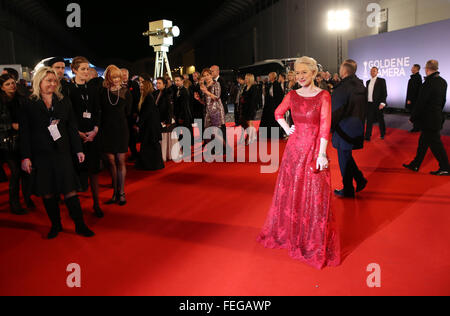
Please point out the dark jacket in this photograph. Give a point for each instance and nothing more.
(278, 94)
(165, 106)
(182, 107)
(414, 86)
(149, 122)
(249, 103)
(35, 138)
(379, 91)
(428, 111)
(223, 91)
(135, 91)
(349, 102)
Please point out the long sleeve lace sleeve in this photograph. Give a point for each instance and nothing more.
(325, 116)
(284, 107)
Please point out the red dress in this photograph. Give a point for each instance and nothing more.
(300, 219)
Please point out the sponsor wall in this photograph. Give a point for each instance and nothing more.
(396, 52)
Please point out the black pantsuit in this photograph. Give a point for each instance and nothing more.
(374, 114)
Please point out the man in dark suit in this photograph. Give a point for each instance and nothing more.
(349, 102)
(182, 107)
(196, 106)
(429, 117)
(377, 96)
(414, 86)
(223, 87)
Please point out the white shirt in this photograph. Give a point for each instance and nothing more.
(372, 83)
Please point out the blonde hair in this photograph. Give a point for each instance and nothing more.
(250, 80)
(38, 77)
(311, 63)
(111, 72)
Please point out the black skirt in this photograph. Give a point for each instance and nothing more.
(93, 158)
(54, 174)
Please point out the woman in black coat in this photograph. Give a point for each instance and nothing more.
(84, 99)
(48, 139)
(249, 107)
(148, 127)
(10, 104)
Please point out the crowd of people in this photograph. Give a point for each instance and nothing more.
(57, 137)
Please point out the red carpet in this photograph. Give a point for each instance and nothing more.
(191, 230)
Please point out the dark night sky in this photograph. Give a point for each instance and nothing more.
(113, 29)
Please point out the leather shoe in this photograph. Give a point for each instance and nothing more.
(440, 173)
(411, 167)
(361, 185)
(342, 194)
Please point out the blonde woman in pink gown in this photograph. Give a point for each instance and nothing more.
(300, 219)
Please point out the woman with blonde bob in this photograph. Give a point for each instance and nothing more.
(115, 106)
(249, 106)
(300, 219)
(49, 136)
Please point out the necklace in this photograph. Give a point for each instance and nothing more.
(118, 98)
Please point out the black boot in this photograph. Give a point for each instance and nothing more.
(53, 212)
(98, 211)
(73, 204)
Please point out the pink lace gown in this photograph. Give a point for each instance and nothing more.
(300, 219)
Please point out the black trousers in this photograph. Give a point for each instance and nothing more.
(17, 177)
(374, 114)
(349, 171)
(431, 140)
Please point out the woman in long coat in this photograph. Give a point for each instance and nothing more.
(49, 137)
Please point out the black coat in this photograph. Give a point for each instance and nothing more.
(349, 102)
(223, 91)
(249, 103)
(165, 106)
(428, 111)
(135, 91)
(379, 91)
(196, 106)
(414, 86)
(182, 107)
(52, 161)
(149, 122)
(35, 136)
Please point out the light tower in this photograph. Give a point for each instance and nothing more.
(161, 35)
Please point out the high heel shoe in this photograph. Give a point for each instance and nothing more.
(122, 202)
(114, 200)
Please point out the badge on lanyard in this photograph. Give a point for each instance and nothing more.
(54, 132)
(87, 115)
